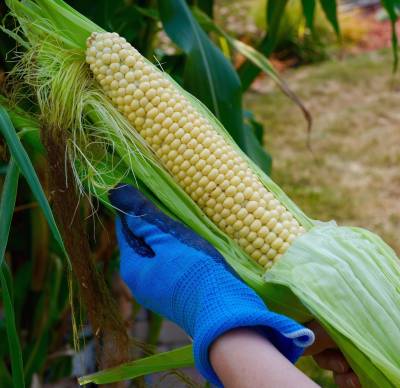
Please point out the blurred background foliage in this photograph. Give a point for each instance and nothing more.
(36, 313)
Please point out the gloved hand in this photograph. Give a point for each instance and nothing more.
(177, 274)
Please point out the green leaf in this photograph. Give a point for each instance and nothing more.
(330, 9)
(7, 205)
(255, 57)
(25, 165)
(309, 11)
(47, 311)
(178, 358)
(274, 13)
(12, 334)
(390, 6)
(5, 377)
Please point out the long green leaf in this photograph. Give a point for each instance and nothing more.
(47, 311)
(178, 358)
(12, 334)
(390, 6)
(254, 56)
(330, 9)
(7, 205)
(25, 165)
(5, 377)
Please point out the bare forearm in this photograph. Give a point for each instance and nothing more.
(243, 358)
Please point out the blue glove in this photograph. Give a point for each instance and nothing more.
(177, 274)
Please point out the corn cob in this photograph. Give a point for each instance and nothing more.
(209, 169)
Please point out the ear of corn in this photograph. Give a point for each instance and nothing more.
(209, 169)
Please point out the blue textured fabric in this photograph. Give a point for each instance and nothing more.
(174, 272)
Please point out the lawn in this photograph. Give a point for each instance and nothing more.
(352, 172)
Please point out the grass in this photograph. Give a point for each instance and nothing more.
(352, 173)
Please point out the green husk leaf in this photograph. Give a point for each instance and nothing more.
(47, 19)
(350, 280)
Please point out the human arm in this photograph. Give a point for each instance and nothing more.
(242, 358)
